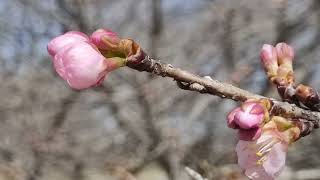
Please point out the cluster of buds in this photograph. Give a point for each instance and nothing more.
(277, 62)
(263, 140)
(85, 61)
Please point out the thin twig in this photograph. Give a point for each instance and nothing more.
(194, 174)
(193, 82)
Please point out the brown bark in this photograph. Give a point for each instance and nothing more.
(189, 81)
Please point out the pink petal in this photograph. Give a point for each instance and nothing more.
(247, 160)
(81, 65)
(285, 51)
(105, 39)
(248, 121)
(249, 135)
(230, 119)
(250, 116)
(257, 109)
(78, 34)
(276, 159)
(58, 43)
(246, 152)
(268, 54)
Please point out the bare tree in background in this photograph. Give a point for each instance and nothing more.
(136, 123)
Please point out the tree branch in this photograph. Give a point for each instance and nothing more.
(195, 175)
(188, 81)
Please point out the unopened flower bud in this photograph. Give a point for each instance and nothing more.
(285, 54)
(58, 43)
(105, 39)
(250, 116)
(81, 65)
(268, 58)
(285, 57)
(248, 119)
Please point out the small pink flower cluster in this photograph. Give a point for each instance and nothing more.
(84, 61)
(263, 142)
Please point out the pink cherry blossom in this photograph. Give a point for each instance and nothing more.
(82, 65)
(105, 39)
(264, 158)
(58, 43)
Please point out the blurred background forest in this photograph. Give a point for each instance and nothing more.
(137, 125)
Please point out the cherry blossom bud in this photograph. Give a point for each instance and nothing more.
(58, 43)
(105, 39)
(268, 58)
(285, 54)
(82, 65)
(250, 116)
